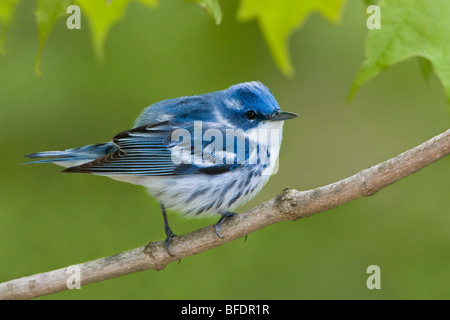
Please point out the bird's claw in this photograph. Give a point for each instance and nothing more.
(170, 235)
(221, 220)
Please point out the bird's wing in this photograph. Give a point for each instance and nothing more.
(147, 151)
(141, 151)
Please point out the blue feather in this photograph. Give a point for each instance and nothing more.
(82, 154)
(225, 175)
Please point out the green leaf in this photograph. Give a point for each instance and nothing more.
(102, 16)
(426, 68)
(148, 3)
(7, 8)
(47, 13)
(370, 2)
(278, 19)
(409, 28)
(213, 9)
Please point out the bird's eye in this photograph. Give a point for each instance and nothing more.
(251, 114)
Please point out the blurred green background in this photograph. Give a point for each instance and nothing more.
(50, 220)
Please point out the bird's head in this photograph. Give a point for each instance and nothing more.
(246, 105)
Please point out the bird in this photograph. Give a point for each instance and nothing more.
(199, 155)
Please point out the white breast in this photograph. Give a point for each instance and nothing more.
(205, 193)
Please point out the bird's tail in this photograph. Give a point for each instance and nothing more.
(75, 156)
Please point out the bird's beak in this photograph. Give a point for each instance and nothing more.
(282, 115)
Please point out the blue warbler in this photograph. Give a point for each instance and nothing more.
(198, 155)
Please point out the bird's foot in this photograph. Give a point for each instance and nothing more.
(169, 236)
(221, 220)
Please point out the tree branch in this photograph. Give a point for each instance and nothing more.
(288, 205)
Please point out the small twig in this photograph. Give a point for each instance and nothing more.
(289, 205)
